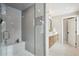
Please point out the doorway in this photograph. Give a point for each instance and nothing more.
(70, 31)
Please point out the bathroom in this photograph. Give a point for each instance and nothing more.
(21, 26)
(37, 29)
(62, 22)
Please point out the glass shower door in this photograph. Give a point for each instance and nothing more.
(3, 37)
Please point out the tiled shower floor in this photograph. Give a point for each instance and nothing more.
(15, 50)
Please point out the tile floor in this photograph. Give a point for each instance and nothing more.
(59, 49)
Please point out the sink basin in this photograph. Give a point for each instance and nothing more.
(52, 33)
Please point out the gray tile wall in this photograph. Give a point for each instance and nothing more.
(28, 29)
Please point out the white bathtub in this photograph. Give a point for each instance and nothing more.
(17, 49)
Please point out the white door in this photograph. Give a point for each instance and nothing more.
(72, 31)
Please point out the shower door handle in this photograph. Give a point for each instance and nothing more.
(6, 35)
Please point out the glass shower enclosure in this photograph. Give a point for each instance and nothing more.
(3, 32)
(39, 30)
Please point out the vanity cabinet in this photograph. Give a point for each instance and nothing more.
(53, 39)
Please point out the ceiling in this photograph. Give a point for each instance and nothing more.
(20, 6)
(53, 8)
(62, 8)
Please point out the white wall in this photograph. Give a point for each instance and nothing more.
(28, 28)
(57, 25)
(13, 20)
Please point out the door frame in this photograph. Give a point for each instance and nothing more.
(65, 38)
